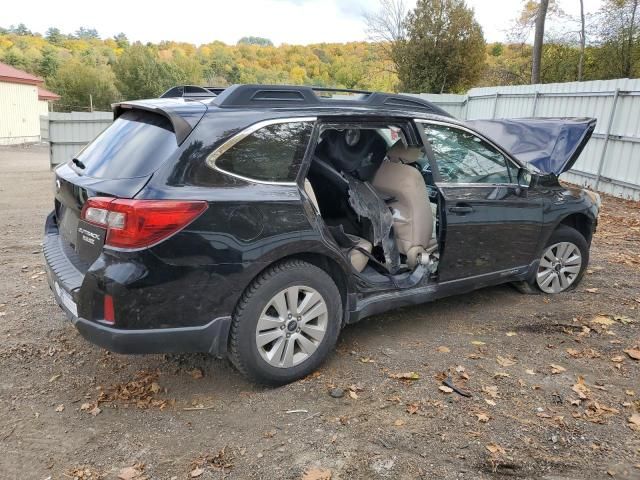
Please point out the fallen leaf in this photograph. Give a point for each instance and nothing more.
(505, 362)
(555, 369)
(482, 417)
(603, 320)
(196, 373)
(196, 472)
(592, 290)
(405, 376)
(95, 411)
(490, 402)
(617, 359)
(631, 393)
(477, 342)
(492, 391)
(55, 377)
(445, 389)
(353, 395)
(60, 408)
(530, 371)
(367, 360)
(501, 374)
(623, 319)
(399, 422)
(511, 334)
(573, 352)
(131, 473)
(317, 474)
(495, 448)
(581, 389)
(634, 421)
(413, 408)
(443, 349)
(633, 353)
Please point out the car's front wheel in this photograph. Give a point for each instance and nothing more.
(562, 264)
(286, 323)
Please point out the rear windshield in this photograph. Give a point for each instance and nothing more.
(135, 145)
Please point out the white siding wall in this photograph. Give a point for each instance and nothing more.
(19, 113)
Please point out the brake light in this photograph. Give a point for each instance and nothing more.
(140, 223)
(109, 311)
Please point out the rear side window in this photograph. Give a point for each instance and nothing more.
(135, 145)
(273, 153)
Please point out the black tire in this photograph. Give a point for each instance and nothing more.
(243, 351)
(563, 233)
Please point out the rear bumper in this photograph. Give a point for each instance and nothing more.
(66, 281)
(210, 338)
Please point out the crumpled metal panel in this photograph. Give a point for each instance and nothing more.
(366, 202)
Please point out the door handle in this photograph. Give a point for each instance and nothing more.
(461, 209)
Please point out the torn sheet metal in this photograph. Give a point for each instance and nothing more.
(366, 202)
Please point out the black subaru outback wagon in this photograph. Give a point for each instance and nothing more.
(257, 221)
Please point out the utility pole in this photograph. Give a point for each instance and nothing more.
(90, 103)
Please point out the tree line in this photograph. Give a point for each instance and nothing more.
(438, 46)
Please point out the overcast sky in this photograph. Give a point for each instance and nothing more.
(197, 21)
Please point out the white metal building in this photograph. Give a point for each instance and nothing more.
(22, 101)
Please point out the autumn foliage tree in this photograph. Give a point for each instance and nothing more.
(444, 50)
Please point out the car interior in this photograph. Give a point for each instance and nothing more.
(371, 190)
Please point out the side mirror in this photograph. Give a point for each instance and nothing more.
(524, 178)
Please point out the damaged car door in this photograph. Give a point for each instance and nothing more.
(492, 218)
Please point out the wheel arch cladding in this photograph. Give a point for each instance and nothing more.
(325, 263)
(580, 222)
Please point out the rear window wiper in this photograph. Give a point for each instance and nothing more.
(79, 164)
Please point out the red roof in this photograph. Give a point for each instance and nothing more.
(13, 75)
(44, 94)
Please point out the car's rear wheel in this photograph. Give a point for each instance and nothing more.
(562, 264)
(286, 323)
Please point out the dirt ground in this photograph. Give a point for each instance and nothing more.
(554, 395)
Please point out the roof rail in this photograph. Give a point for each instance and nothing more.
(284, 96)
(192, 91)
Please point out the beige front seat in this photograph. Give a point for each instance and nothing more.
(358, 259)
(412, 215)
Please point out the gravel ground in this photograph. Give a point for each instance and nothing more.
(554, 393)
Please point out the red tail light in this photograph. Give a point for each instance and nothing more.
(140, 223)
(109, 313)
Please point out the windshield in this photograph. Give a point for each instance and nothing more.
(135, 145)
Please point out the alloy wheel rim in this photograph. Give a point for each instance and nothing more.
(559, 267)
(292, 326)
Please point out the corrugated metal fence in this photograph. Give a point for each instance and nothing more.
(611, 161)
(67, 133)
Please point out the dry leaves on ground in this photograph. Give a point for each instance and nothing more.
(492, 391)
(140, 392)
(83, 473)
(317, 473)
(556, 369)
(443, 349)
(405, 376)
(581, 389)
(220, 461)
(482, 417)
(634, 422)
(495, 449)
(504, 361)
(134, 472)
(633, 353)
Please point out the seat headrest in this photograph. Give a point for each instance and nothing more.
(398, 152)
